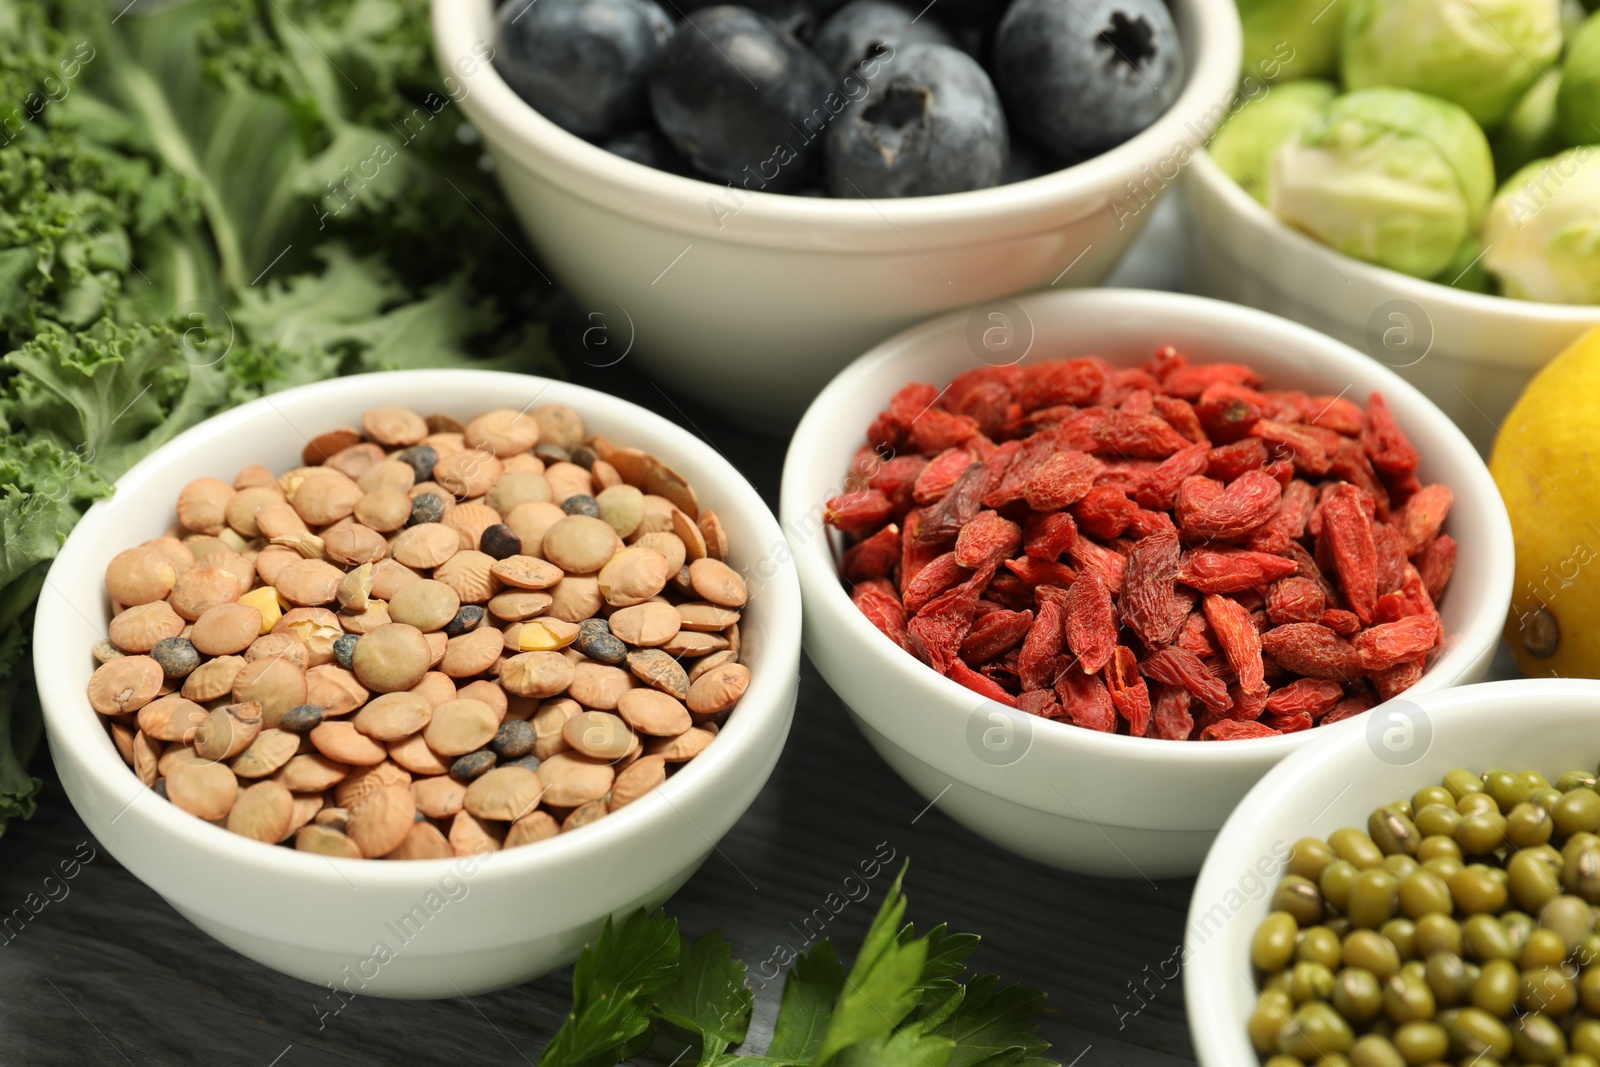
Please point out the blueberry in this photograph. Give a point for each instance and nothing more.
(583, 64)
(798, 17)
(1082, 76)
(650, 147)
(930, 124)
(742, 99)
(864, 30)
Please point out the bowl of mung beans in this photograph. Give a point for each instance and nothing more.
(1421, 888)
(1014, 581)
(406, 682)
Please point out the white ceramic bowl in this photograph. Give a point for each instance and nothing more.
(752, 303)
(1468, 352)
(1547, 724)
(1074, 798)
(451, 926)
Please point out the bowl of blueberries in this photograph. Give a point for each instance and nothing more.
(744, 198)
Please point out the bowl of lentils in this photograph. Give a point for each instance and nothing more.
(1419, 888)
(406, 639)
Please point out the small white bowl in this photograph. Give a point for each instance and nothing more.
(1544, 724)
(751, 303)
(449, 926)
(1470, 353)
(1073, 798)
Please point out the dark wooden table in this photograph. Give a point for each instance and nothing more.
(110, 974)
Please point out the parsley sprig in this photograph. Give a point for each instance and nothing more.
(902, 1004)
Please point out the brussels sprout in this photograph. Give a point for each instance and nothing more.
(1531, 131)
(1481, 54)
(1386, 175)
(1543, 230)
(1579, 100)
(1241, 148)
(1290, 38)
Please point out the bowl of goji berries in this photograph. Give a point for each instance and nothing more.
(1085, 565)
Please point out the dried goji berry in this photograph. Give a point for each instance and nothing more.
(1227, 462)
(1196, 637)
(1434, 563)
(981, 684)
(941, 521)
(988, 538)
(1337, 414)
(1191, 382)
(1386, 644)
(1041, 572)
(1174, 666)
(1240, 642)
(1421, 516)
(1294, 443)
(910, 401)
(1247, 704)
(1151, 606)
(944, 622)
(1235, 730)
(936, 430)
(914, 554)
(1109, 565)
(1040, 702)
(1391, 557)
(874, 557)
(940, 474)
(1227, 412)
(1213, 570)
(897, 479)
(1124, 474)
(994, 634)
(1385, 443)
(1137, 402)
(1245, 504)
(1397, 679)
(1091, 625)
(1161, 486)
(1104, 512)
(878, 602)
(1287, 524)
(1312, 696)
(1048, 536)
(1349, 708)
(1347, 530)
(1288, 724)
(1086, 702)
(1195, 494)
(858, 512)
(1311, 649)
(1121, 434)
(1144, 523)
(1068, 381)
(1169, 713)
(1129, 694)
(1013, 478)
(1341, 622)
(1348, 462)
(1295, 599)
(1179, 414)
(984, 396)
(944, 572)
(1036, 662)
(1061, 479)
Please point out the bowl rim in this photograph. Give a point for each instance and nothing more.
(817, 568)
(1206, 985)
(1212, 49)
(766, 701)
(1248, 212)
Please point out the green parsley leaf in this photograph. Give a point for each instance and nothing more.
(707, 996)
(994, 1027)
(882, 986)
(611, 989)
(809, 992)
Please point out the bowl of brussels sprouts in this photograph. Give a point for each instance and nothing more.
(1419, 178)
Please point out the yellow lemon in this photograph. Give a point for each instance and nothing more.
(1546, 461)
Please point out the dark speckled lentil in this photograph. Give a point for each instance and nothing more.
(467, 618)
(421, 459)
(499, 542)
(582, 504)
(344, 646)
(584, 456)
(472, 765)
(514, 739)
(530, 763)
(302, 718)
(425, 507)
(552, 453)
(596, 641)
(177, 657)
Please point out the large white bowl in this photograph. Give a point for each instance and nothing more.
(1549, 725)
(1086, 801)
(751, 304)
(1469, 352)
(483, 923)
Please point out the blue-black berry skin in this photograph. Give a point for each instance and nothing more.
(930, 124)
(1083, 76)
(583, 64)
(744, 101)
(864, 30)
